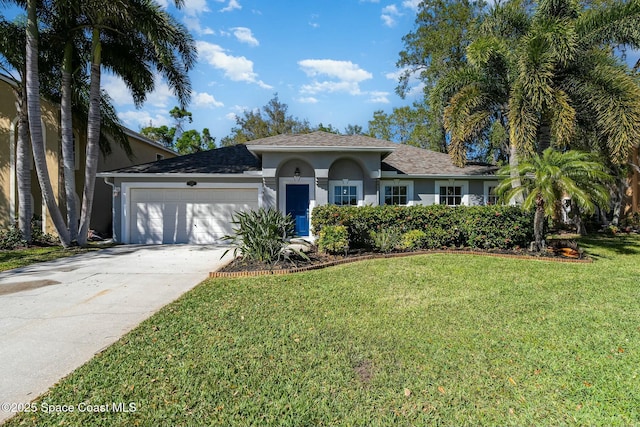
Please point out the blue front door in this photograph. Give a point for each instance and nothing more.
(297, 205)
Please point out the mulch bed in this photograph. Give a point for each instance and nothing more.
(243, 267)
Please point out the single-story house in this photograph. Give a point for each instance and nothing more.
(143, 150)
(192, 198)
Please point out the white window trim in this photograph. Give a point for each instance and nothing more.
(453, 183)
(394, 183)
(347, 183)
(488, 184)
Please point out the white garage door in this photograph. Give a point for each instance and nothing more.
(186, 215)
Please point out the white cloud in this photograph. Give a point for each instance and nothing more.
(342, 70)
(116, 89)
(231, 116)
(411, 4)
(205, 100)
(343, 76)
(136, 119)
(195, 7)
(415, 87)
(193, 25)
(389, 15)
(233, 5)
(378, 97)
(161, 97)
(236, 68)
(244, 35)
(388, 20)
(308, 100)
(351, 88)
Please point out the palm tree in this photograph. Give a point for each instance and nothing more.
(139, 26)
(547, 178)
(551, 74)
(133, 38)
(33, 107)
(12, 47)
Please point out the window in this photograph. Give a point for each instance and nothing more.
(159, 157)
(345, 192)
(345, 195)
(395, 195)
(452, 192)
(490, 196)
(451, 195)
(396, 192)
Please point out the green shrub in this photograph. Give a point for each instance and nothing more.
(11, 239)
(40, 238)
(386, 239)
(482, 227)
(262, 235)
(412, 240)
(333, 239)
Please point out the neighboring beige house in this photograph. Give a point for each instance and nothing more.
(144, 150)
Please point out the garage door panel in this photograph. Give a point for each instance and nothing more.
(200, 216)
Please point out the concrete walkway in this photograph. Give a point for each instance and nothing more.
(57, 315)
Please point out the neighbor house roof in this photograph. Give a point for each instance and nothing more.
(399, 158)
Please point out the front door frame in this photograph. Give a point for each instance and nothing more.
(282, 194)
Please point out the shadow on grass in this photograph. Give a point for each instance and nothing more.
(600, 246)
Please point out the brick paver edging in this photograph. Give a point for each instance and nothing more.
(378, 256)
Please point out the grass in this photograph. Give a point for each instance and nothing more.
(436, 339)
(23, 257)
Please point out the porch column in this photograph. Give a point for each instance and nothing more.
(322, 190)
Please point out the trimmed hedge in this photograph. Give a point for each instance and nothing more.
(481, 227)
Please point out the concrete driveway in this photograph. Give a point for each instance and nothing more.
(57, 315)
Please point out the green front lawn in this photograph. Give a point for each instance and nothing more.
(23, 257)
(435, 339)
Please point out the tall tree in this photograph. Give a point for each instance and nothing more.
(444, 28)
(406, 125)
(12, 51)
(140, 26)
(271, 120)
(35, 117)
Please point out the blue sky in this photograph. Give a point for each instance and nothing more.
(330, 61)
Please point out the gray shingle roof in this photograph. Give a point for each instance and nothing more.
(410, 160)
(322, 139)
(234, 159)
(403, 159)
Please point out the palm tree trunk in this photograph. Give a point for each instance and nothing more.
(23, 169)
(544, 135)
(513, 172)
(93, 137)
(68, 152)
(538, 224)
(35, 128)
